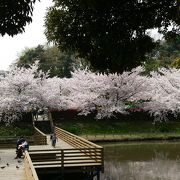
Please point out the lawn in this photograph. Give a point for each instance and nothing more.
(16, 130)
(121, 129)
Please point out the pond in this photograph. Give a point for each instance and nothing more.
(142, 161)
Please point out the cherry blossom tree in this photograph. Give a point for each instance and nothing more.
(23, 89)
(18, 90)
(165, 93)
(52, 93)
(157, 94)
(106, 93)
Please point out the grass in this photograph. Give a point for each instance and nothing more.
(118, 127)
(121, 130)
(16, 130)
(115, 129)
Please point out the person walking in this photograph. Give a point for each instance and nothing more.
(53, 140)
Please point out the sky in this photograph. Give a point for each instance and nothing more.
(11, 47)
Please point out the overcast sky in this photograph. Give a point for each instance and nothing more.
(33, 35)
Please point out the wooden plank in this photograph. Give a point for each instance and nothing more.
(11, 172)
(69, 165)
(64, 149)
(29, 168)
(43, 152)
(46, 162)
(65, 162)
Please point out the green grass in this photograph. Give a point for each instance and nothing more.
(16, 131)
(110, 129)
(128, 127)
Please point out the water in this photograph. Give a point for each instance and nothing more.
(136, 161)
(142, 161)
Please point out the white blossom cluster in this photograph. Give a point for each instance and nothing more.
(23, 89)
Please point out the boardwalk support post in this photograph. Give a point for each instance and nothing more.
(98, 175)
(62, 164)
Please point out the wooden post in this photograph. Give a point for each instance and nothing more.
(98, 175)
(102, 159)
(62, 164)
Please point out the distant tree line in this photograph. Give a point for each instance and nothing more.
(50, 59)
(61, 64)
(166, 54)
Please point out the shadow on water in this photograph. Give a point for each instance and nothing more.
(72, 176)
(140, 151)
(142, 161)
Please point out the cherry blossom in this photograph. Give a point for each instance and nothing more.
(105, 95)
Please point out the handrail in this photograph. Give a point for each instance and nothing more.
(82, 154)
(66, 158)
(73, 139)
(39, 132)
(29, 168)
(84, 146)
(41, 138)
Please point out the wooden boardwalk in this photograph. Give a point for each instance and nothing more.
(10, 171)
(59, 145)
(71, 154)
(7, 156)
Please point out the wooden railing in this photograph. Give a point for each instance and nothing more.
(40, 137)
(29, 168)
(73, 140)
(64, 158)
(82, 155)
(89, 149)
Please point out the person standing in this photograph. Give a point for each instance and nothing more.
(35, 113)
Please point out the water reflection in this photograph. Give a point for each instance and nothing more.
(142, 161)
